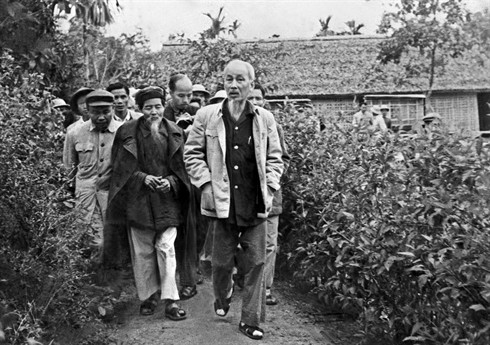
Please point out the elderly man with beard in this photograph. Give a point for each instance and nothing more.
(149, 193)
(233, 154)
(87, 151)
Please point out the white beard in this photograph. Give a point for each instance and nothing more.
(154, 129)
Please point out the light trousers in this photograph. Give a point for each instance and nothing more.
(93, 206)
(154, 262)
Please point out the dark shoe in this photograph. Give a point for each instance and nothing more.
(174, 313)
(253, 332)
(270, 300)
(148, 307)
(188, 292)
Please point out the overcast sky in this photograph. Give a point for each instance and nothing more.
(259, 18)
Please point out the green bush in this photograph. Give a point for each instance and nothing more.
(397, 229)
(44, 265)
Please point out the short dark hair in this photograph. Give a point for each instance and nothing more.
(117, 86)
(174, 78)
(261, 88)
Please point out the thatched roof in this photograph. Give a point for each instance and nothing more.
(347, 65)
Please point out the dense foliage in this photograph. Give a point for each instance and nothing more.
(396, 229)
(44, 263)
(393, 230)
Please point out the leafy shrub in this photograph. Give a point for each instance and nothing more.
(396, 228)
(43, 260)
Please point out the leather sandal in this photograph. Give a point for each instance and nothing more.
(270, 300)
(221, 309)
(175, 313)
(253, 332)
(188, 292)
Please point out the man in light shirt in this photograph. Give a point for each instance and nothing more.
(87, 154)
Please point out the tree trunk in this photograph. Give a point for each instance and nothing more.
(428, 105)
(86, 57)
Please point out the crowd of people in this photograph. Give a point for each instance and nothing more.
(181, 177)
(172, 177)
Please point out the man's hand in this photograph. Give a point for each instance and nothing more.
(157, 183)
(164, 186)
(207, 197)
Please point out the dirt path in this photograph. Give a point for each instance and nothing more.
(287, 323)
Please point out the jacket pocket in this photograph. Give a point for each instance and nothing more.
(84, 147)
(269, 199)
(212, 148)
(86, 155)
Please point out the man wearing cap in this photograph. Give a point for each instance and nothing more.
(149, 193)
(218, 97)
(59, 105)
(431, 122)
(87, 152)
(200, 92)
(233, 154)
(379, 125)
(79, 106)
(385, 109)
(121, 102)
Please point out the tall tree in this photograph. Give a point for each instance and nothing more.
(91, 14)
(432, 29)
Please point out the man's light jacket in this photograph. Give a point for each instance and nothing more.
(205, 154)
(88, 152)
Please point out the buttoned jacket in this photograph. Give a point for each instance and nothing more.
(88, 152)
(205, 154)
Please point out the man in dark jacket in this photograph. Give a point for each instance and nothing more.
(178, 107)
(149, 194)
